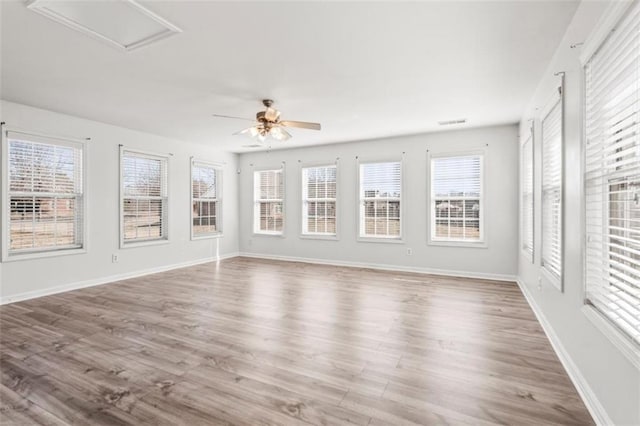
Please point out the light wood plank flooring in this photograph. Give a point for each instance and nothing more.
(248, 341)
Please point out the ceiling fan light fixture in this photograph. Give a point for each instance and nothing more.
(268, 124)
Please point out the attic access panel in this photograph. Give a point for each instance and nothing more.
(125, 24)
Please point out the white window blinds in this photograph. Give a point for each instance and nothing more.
(380, 195)
(527, 215)
(205, 199)
(45, 209)
(268, 201)
(143, 205)
(319, 200)
(456, 198)
(612, 177)
(552, 192)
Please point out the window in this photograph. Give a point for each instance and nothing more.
(268, 213)
(205, 199)
(526, 215)
(456, 199)
(143, 206)
(45, 209)
(319, 200)
(552, 193)
(380, 191)
(612, 177)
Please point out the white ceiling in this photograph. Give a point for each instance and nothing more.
(362, 69)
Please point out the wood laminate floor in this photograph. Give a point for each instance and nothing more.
(248, 341)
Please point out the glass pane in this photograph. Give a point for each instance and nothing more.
(472, 230)
(442, 228)
(472, 209)
(455, 208)
(456, 229)
(442, 208)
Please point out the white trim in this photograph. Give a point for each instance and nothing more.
(529, 139)
(607, 23)
(4, 194)
(219, 171)
(39, 254)
(384, 267)
(360, 237)
(585, 391)
(40, 138)
(170, 29)
(615, 336)
(303, 212)
(483, 242)
(109, 279)
(328, 237)
(255, 201)
(557, 98)
(164, 237)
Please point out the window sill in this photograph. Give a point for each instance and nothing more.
(144, 243)
(207, 237)
(380, 240)
(319, 237)
(268, 234)
(42, 254)
(467, 244)
(615, 336)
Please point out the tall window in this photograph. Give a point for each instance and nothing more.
(612, 177)
(319, 200)
(526, 215)
(45, 190)
(268, 213)
(380, 192)
(143, 205)
(552, 193)
(456, 199)
(205, 200)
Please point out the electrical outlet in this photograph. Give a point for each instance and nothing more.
(539, 283)
(409, 252)
(114, 258)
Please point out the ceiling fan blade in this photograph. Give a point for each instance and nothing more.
(271, 114)
(254, 145)
(230, 116)
(301, 125)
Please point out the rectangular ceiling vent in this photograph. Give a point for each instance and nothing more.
(451, 122)
(124, 24)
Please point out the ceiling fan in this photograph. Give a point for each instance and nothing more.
(268, 124)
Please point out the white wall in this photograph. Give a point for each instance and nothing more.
(608, 380)
(21, 278)
(498, 259)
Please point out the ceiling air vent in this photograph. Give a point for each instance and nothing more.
(125, 24)
(451, 122)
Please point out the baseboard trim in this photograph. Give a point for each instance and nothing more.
(589, 398)
(384, 267)
(106, 280)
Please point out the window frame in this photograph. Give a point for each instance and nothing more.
(5, 252)
(163, 239)
(556, 280)
(218, 167)
(360, 237)
(531, 140)
(484, 239)
(611, 20)
(256, 202)
(303, 215)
